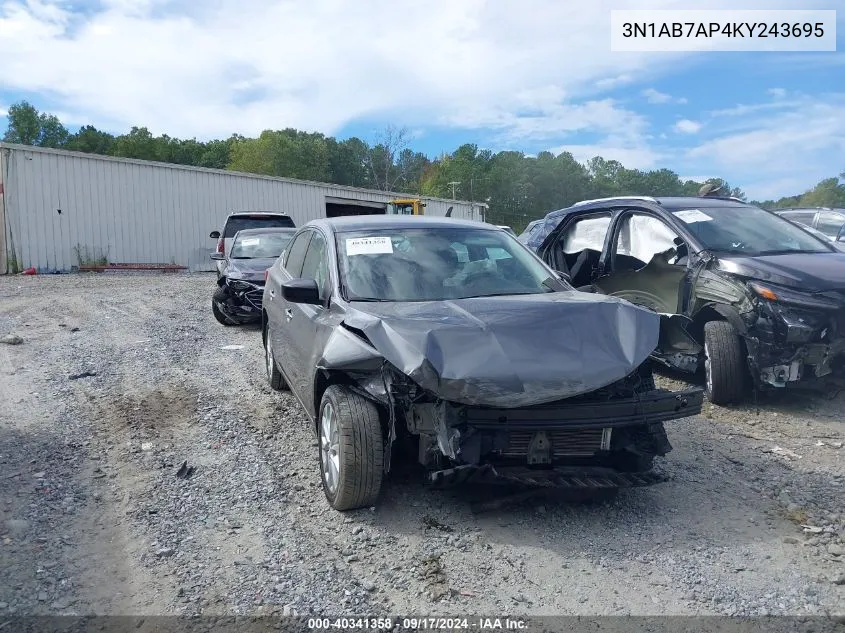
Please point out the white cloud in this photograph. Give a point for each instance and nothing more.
(657, 97)
(777, 92)
(774, 149)
(608, 83)
(686, 126)
(211, 68)
(208, 69)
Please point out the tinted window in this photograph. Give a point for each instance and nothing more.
(267, 245)
(747, 230)
(584, 233)
(316, 264)
(434, 264)
(233, 225)
(830, 223)
(296, 253)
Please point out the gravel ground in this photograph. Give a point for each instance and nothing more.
(120, 379)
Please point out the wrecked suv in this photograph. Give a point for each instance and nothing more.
(448, 343)
(743, 294)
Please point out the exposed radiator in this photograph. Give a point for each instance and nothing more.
(565, 443)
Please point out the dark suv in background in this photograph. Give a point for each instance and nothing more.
(240, 221)
(740, 289)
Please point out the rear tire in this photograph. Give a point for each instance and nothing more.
(351, 449)
(724, 365)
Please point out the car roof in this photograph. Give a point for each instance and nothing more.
(270, 229)
(370, 222)
(686, 202)
(670, 203)
(246, 214)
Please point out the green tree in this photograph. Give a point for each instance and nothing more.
(91, 140)
(28, 126)
(348, 162)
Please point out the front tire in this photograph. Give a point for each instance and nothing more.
(218, 314)
(724, 363)
(351, 449)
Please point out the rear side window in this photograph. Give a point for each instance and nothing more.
(296, 254)
(233, 225)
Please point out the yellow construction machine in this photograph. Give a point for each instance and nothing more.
(406, 206)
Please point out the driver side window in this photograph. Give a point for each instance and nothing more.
(640, 238)
(316, 265)
(295, 254)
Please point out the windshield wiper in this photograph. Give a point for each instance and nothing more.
(370, 300)
(735, 251)
(506, 294)
(789, 251)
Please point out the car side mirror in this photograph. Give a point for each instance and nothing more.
(217, 256)
(301, 291)
(215, 235)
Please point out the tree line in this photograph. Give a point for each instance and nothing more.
(517, 187)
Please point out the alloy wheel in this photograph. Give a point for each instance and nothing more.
(329, 448)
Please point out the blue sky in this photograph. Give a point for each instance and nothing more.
(531, 76)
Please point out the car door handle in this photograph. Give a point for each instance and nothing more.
(289, 314)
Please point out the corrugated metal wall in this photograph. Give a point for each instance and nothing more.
(65, 207)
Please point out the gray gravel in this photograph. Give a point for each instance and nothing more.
(120, 380)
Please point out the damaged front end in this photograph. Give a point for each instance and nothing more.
(238, 298)
(605, 438)
(609, 433)
(795, 338)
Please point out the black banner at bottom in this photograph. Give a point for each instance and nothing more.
(528, 624)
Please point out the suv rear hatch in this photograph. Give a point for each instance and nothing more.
(240, 221)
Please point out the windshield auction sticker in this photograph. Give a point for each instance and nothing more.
(368, 246)
(692, 215)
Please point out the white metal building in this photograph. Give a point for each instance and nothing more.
(59, 209)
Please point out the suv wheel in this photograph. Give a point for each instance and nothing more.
(274, 376)
(724, 363)
(351, 449)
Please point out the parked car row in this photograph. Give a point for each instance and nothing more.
(448, 344)
(479, 356)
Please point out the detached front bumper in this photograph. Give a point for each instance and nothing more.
(584, 478)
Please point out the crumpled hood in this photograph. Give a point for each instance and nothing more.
(511, 351)
(251, 269)
(812, 272)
